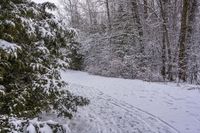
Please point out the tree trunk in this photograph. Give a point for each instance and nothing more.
(136, 18)
(163, 68)
(192, 24)
(164, 9)
(108, 15)
(191, 20)
(182, 63)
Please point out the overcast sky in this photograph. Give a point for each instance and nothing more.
(41, 1)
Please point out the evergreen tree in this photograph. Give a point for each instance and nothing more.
(34, 46)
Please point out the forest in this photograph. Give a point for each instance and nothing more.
(45, 46)
(154, 40)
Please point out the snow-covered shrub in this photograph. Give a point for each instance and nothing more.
(25, 125)
(34, 46)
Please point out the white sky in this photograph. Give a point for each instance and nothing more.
(41, 1)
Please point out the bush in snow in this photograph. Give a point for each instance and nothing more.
(33, 126)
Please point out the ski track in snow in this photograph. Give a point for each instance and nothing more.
(108, 115)
(133, 106)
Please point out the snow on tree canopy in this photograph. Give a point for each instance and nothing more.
(8, 47)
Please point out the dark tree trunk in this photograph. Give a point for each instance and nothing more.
(182, 63)
(136, 18)
(192, 23)
(108, 15)
(166, 43)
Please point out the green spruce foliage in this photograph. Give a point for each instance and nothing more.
(34, 46)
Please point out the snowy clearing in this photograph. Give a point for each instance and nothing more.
(133, 106)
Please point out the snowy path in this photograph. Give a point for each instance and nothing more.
(107, 115)
(133, 106)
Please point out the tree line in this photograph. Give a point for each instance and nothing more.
(154, 40)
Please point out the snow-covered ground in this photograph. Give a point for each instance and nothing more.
(133, 106)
